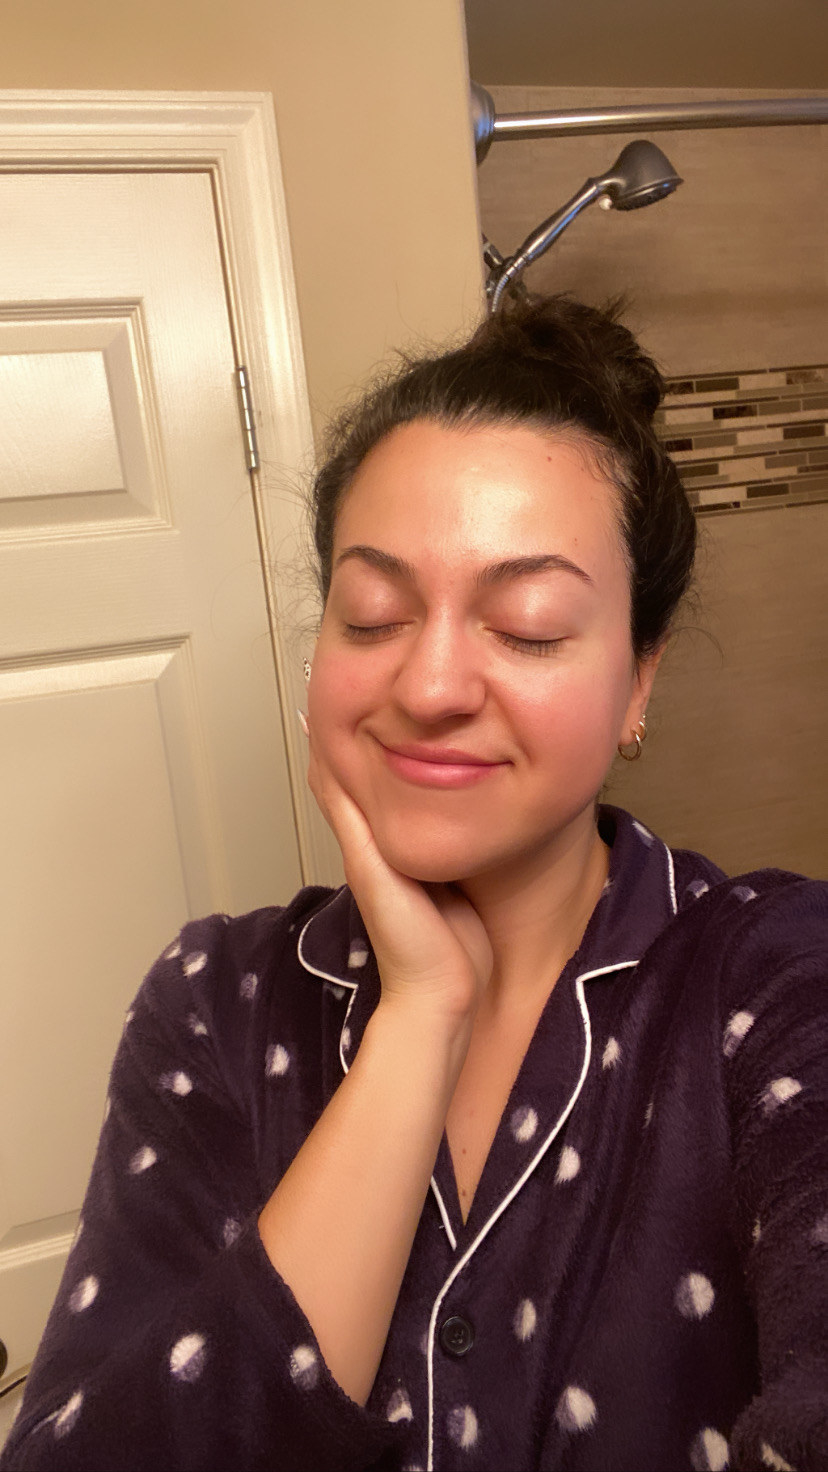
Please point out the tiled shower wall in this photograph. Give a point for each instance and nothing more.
(727, 285)
(747, 440)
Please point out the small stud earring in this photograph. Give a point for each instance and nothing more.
(306, 668)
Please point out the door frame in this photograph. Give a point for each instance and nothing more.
(232, 137)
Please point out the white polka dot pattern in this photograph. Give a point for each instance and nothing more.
(819, 1233)
(173, 951)
(338, 991)
(648, 1114)
(698, 887)
(526, 1320)
(463, 1429)
(187, 1358)
(142, 1160)
(772, 1459)
(231, 1231)
(304, 1367)
(757, 1230)
(68, 1415)
(399, 1407)
(709, 1451)
(523, 1124)
(128, 1017)
(738, 1027)
(277, 1061)
(248, 985)
(195, 962)
(695, 1296)
(743, 892)
(576, 1410)
(84, 1294)
(345, 1040)
(569, 1165)
(196, 1026)
(358, 954)
(177, 1083)
(612, 1053)
(780, 1092)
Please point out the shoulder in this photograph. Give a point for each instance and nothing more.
(756, 932)
(219, 960)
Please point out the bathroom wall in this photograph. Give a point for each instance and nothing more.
(380, 188)
(727, 278)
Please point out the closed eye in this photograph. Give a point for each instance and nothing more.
(529, 646)
(365, 633)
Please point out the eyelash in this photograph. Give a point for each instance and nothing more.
(530, 646)
(369, 633)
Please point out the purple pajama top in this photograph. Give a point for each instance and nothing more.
(642, 1282)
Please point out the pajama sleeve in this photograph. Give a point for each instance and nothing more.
(776, 1065)
(173, 1343)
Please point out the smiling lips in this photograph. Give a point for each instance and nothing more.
(439, 766)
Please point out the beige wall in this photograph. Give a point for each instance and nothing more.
(372, 112)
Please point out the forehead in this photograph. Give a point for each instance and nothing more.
(427, 492)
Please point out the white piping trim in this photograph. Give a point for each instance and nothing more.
(344, 1025)
(671, 870)
(314, 971)
(326, 975)
(444, 1214)
(484, 1232)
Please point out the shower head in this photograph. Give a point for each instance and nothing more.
(640, 175)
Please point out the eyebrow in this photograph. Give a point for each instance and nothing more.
(506, 571)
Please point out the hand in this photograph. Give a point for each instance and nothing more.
(429, 941)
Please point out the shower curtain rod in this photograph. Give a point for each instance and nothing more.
(650, 117)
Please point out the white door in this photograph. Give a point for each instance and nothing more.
(143, 777)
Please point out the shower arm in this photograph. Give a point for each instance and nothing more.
(639, 117)
(541, 239)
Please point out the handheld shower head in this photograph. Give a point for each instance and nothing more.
(640, 175)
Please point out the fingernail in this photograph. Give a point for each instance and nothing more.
(303, 721)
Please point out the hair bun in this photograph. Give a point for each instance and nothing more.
(595, 344)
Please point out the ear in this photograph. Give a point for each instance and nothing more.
(643, 678)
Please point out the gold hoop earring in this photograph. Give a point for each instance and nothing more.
(639, 737)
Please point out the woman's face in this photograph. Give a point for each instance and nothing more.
(474, 672)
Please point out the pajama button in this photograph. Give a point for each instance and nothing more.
(457, 1336)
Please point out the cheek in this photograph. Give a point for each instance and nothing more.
(340, 692)
(570, 709)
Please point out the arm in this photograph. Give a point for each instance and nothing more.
(173, 1343)
(778, 1087)
(367, 1164)
(193, 1352)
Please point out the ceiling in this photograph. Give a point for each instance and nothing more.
(649, 43)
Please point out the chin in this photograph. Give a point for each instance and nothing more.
(435, 857)
(432, 860)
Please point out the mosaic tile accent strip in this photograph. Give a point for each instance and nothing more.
(748, 440)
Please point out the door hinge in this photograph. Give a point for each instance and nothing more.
(251, 448)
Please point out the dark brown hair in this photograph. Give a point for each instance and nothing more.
(557, 365)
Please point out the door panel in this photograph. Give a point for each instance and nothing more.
(143, 777)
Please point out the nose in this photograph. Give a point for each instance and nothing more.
(441, 674)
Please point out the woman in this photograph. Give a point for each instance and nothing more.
(512, 1153)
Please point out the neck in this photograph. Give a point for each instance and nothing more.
(535, 912)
